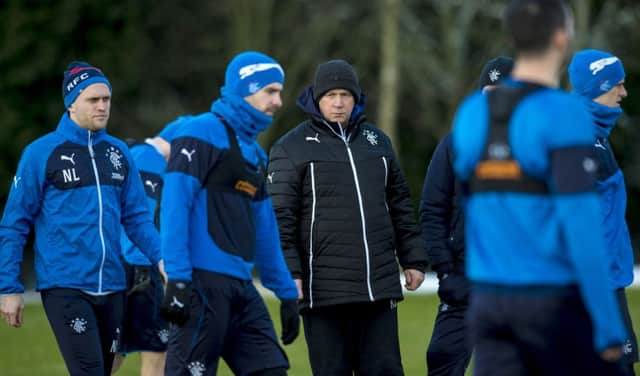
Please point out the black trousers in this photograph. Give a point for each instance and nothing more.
(354, 339)
(228, 319)
(534, 332)
(449, 350)
(87, 328)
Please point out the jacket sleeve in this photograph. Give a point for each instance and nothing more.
(268, 257)
(578, 210)
(436, 205)
(409, 242)
(284, 185)
(136, 219)
(23, 205)
(183, 181)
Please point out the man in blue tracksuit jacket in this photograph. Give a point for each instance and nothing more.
(535, 254)
(144, 330)
(442, 223)
(217, 221)
(597, 78)
(77, 186)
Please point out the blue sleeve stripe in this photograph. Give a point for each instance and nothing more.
(573, 169)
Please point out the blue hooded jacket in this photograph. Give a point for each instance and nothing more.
(613, 196)
(223, 229)
(77, 188)
(518, 239)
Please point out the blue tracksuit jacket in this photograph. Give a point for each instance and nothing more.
(517, 239)
(77, 188)
(613, 196)
(151, 165)
(216, 228)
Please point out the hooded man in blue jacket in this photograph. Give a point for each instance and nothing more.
(77, 186)
(597, 78)
(217, 222)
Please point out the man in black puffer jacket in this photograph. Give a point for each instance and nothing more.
(442, 223)
(345, 220)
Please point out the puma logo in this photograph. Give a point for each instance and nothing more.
(67, 158)
(188, 154)
(315, 138)
(598, 144)
(175, 301)
(270, 177)
(151, 184)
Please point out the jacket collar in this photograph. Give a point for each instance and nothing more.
(72, 131)
(307, 104)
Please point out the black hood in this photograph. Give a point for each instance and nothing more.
(307, 104)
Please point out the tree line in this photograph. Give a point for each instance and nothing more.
(416, 60)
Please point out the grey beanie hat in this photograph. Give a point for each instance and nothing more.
(335, 74)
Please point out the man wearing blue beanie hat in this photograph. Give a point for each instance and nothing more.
(597, 78)
(217, 222)
(79, 188)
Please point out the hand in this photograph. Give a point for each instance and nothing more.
(176, 302)
(413, 279)
(12, 308)
(141, 279)
(611, 354)
(453, 288)
(298, 282)
(290, 321)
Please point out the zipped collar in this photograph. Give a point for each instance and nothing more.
(72, 131)
(307, 104)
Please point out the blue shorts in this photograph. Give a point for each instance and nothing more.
(533, 331)
(143, 328)
(86, 327)
(227, 319)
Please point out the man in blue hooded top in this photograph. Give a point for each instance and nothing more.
(597, 78)
(217, 221)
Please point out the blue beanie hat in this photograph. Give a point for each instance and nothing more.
(77, 77)
(594, 72)
(249, 72)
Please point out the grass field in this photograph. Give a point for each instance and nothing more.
(31, 350)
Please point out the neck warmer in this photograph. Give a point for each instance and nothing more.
(605, 117)
(245, 120)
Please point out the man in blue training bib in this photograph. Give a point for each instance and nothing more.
(540, 302)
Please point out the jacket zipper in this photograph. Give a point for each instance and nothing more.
(345, 139)
(313, 219)
(104, 248)
(386, 178)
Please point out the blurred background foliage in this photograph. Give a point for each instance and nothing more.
(416, 60)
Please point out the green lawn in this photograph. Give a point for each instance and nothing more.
(31, 350)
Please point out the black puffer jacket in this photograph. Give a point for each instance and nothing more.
(343, 207)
